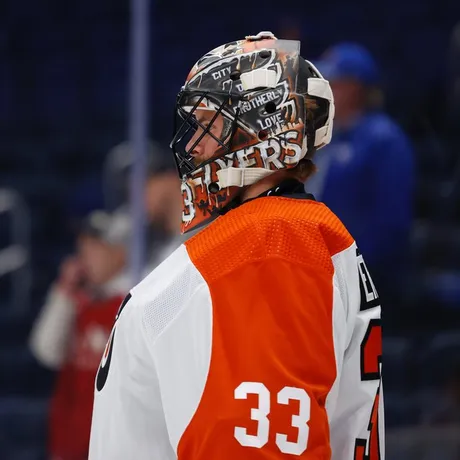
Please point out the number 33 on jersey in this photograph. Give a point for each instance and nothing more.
(260, 415)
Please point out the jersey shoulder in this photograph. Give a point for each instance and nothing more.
(161, 296)
(298, 230)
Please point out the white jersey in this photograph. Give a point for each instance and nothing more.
(259, 338)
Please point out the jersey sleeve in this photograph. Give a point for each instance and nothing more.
(128, 417)
(52, 330)
(356, 401)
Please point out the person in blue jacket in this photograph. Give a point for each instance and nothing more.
(366, 174)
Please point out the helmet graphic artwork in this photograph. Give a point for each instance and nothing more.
(246, 101)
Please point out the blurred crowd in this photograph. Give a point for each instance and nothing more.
(394, 183)
(70, 333)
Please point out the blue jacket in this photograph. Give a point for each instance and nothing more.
(366, 177)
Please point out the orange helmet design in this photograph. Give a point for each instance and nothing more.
(252, 94)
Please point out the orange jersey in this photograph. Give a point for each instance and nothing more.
(259, 338)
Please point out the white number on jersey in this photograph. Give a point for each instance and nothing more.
(260, 413)
(298, 421)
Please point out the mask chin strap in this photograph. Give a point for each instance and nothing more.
(240, 177)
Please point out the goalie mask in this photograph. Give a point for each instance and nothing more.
(241, 116)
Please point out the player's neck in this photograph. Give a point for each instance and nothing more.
(254, 190)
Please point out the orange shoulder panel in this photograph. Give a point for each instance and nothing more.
(304, 231)
(268, 267)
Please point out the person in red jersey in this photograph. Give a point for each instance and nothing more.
(73, 327)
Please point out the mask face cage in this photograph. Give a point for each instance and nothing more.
(201, 117)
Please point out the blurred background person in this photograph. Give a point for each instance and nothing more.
(163, 202)
(73, 327)
(366, 174)
(162, 197)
